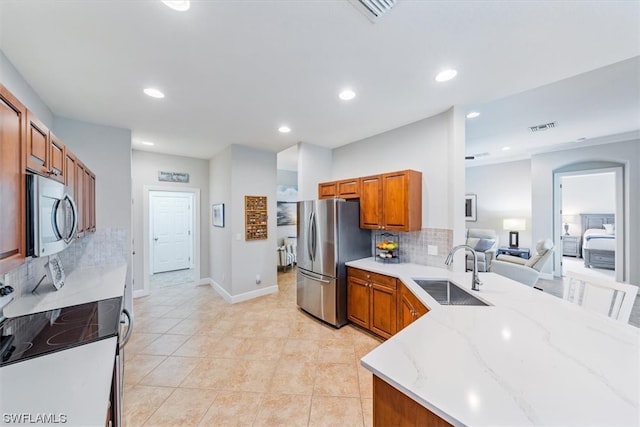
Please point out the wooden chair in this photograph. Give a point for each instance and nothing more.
(601, 295)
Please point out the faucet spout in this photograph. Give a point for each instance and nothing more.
(475, 281)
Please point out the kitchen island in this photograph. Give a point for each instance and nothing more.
(528, 358)
(72, 386)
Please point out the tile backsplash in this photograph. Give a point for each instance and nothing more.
(414, 246)
(107, 246)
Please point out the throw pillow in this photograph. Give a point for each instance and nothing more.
(484, 244)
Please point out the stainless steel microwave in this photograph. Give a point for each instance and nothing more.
(52, 216)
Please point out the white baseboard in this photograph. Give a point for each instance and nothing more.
(140, 293)
(232, 299)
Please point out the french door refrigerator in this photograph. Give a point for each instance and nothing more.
(329, 235)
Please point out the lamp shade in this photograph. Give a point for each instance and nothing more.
(514, 224)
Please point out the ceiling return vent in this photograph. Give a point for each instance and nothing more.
(544, 126)
(373, 9)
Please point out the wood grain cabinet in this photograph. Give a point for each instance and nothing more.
(391, 201)
(344, 189)
(45, 153)
(57, 153)
(372, 301)
(12, 181)
(409, 307)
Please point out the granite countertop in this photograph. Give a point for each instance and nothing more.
(529, 358)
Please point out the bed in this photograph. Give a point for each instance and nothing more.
(598, 240)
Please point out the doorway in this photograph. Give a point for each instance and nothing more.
(581, 197)
(171, 236)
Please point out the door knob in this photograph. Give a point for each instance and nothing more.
(155, 238)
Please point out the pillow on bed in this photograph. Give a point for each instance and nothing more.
(609, 228)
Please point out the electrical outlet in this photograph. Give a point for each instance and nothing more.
(432, 250)
(258, 279)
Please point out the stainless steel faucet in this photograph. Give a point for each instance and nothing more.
(475, 281)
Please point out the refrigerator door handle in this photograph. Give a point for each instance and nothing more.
(313, 277)
(312, 238)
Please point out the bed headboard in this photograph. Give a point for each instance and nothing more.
(596, 220)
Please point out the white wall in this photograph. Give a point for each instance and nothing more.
(424, 146)
(145, 167)
(503, 191)
(18, 86)
(237, 172)
(594, 193)
(626, 153)
(314, 166)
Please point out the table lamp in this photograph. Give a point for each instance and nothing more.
(513, 225)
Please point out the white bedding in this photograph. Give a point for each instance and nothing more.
(598, 238)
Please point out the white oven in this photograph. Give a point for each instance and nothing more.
(52, 216)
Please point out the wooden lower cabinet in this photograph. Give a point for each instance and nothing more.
(372, 301)
(409, 307)
(391, 407)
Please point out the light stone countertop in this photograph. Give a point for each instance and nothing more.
(75, 383)
(529, 358)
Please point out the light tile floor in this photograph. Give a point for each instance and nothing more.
(170, 278)
(193, 359)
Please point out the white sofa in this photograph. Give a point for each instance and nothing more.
(485, 243)
(526, 271)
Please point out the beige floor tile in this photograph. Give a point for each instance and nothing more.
(231, 374)
(233, 408)
(300, 350)
(155, 325)
(199, 346)
(260, 348)
(140, 402)
(139, 366)
(365, 382)
(210, 373)
(283, 410)
(165, 345)
(139, 341)
(367, 412)
(337, 379)
(171, 372)
(336, 351)
(293, 378)
(185, 407)
(186, 327)
(336, 411)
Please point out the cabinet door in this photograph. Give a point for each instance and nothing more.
(327, 190)
(80, 194)
(70, 172)
(383, 307)
(358, 301)
(402, 201)
(12, 179)
(371, 202)
(56, 158)
(409, 307)
(349, 188)
(37, 145)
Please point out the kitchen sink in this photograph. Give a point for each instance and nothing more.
(448, 293)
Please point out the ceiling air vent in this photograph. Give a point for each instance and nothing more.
(373, 9)
(544, 126)
(475, 156)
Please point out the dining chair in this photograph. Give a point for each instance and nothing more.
(601, 295)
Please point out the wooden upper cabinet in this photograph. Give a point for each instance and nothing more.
(12, 181)
(327, 190)
(57, 159)
(392, 201)
(38, 147)
(343, 189)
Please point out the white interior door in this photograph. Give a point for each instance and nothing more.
(171, 235)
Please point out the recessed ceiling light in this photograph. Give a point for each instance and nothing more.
(473, 115)
(284, 129)
(149, 143)
(446, 75)
(506, 148)
(179, 5)
(347, 95)
(154, 93)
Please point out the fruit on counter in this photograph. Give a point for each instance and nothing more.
(387, 245)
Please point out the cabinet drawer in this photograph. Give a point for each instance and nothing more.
(379, 279)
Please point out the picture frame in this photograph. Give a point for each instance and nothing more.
(217, 215)
(470, 201)
(287, 213)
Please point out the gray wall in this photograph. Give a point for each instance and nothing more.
(314, 166)
(236, 172)
(626, 153)
(503, 190)
(145, 167)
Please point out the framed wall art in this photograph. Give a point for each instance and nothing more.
(470, 207)
(217, 215)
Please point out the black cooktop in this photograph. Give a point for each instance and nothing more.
(37, 334)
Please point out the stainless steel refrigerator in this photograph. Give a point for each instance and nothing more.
(329, 235)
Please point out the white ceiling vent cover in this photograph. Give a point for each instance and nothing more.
(373, 9)
(544, 126)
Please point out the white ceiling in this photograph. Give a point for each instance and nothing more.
(234, 71)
